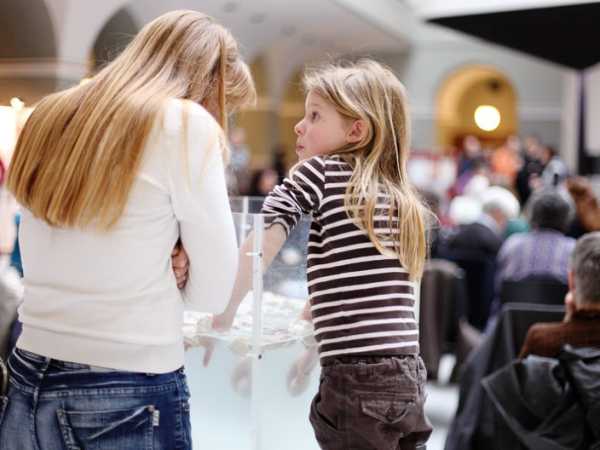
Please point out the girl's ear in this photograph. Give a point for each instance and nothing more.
(357, 131)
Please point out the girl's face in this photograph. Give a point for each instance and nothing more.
(323, 130)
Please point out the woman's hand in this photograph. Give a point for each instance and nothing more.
(181, 264)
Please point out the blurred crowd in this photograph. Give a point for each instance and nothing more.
(521, 166)
(523, 186)
(515, 242)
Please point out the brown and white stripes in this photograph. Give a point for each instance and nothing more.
(362, 302)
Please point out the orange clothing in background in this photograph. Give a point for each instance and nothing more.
(506, 163)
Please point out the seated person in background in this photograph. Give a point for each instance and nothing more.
(586, 205)
(486, 234)
(474, 248)
(545, 251)
(555, 169)
(581, 326)
(263, 181)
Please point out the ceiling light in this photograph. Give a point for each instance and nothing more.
(487, 117)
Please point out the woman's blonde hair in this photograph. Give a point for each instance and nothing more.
(77, 156)
(368, 91)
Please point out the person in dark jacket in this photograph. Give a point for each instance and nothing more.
(581, 326)
(548, 403)
(475, 425)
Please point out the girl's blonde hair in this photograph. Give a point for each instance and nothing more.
(77, 156)
(368, 91)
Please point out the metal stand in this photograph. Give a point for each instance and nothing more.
(257, 286)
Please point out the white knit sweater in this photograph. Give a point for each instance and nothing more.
(110, 299)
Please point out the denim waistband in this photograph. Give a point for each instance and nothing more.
(30, 371)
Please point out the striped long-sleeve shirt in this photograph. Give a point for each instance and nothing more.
(362, 301)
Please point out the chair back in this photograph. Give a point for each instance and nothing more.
(441, 303)
(544, 290)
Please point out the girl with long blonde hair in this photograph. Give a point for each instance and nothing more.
(111, 174)
(366, 251)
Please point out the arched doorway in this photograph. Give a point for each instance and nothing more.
(458, 100)
(27, 49)
(114, 36)
(27, 37)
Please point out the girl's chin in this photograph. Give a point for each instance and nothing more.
(302, 154)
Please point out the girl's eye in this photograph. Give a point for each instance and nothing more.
(314, 115)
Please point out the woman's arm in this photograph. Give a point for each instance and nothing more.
(201, 206)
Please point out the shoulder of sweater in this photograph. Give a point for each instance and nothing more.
(176, 112)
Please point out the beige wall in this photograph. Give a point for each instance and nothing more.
(258, 121)
(290, 114)
(271, 124)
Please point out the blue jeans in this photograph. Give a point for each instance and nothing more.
(58, 405)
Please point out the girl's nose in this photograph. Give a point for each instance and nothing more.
(299, 127)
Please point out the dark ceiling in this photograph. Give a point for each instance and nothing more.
(567, 35)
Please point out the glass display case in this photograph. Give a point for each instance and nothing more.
(254, 393)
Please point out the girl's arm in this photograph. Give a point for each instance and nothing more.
(299, 194)
(273, 239)
(306, 314)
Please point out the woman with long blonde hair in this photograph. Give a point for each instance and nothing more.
(366, 250)
(111, 174)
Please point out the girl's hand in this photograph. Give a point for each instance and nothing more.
(298, 376)
(306, 314)
(181, 265)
